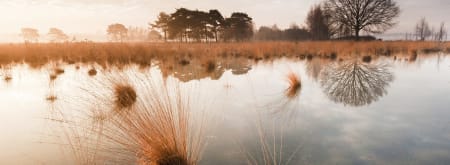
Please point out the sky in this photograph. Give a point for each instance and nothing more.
(89, 18)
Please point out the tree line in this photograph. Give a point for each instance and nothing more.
(331, 19)
(423, 31)
(187, 25)
(54, 35)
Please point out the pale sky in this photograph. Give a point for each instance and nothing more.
(91, 17)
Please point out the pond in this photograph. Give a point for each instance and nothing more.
(388, 110)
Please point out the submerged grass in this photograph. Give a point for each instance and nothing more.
(271, 148)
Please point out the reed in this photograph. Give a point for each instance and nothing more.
(92, 72)
(294, 85)
(144, 54)
(51, 98)
(270, 148)
(7, 78)
(148, 123)
(160, 130)
(124, 96)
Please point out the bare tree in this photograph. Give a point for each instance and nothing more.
(372, 16)
(117, 32)
(354, 83)
(30, 34)
(423, 30)
(57, 35)
(441, 33)
(318, 24)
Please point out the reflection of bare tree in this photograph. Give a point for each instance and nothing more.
(355, 83)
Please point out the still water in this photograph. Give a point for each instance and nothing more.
(387, 111)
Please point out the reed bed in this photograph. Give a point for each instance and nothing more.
(37, 55)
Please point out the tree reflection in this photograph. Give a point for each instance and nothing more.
(196, 69)
(355, 83)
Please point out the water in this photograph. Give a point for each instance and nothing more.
(346, 112)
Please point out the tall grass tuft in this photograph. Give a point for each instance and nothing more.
(294, 85)
(159, 126)
(160, 130)
(124, 96)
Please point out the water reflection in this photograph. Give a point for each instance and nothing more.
(186, 71)
(294, 123)
(6, 72)
(315, 66)
(355, 83)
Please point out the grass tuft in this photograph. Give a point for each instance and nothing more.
(51, 98)
(367, 59)
(294, 85)
(125, 96)
(92, 72)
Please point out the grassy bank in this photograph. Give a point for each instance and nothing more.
(37, 55)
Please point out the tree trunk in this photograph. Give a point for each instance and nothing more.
(357, 34)
(165, 36)
(215, 35)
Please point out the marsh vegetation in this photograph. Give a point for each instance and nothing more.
(158, 114)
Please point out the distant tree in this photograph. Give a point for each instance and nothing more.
(239, 27)
(198, 23)
(154, 35)
(137, 33)
(373, 16)
(30, 34)
(117, 32)
(318, 24)
(441, 33)
(195, 25)
(264, 33)
(162, 23)
(57, 35)
(423, 30)
(295, 33)
(269, 33)
(178, 25)
(217, 23)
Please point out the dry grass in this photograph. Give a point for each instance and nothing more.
(159, 131)
(159, 126)
(51, 98)
(53, 77)
(58, 71)
(271, 146)
(37, 55)
(124, 96)
(92, 72)
(7, 78)
(294, 85)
